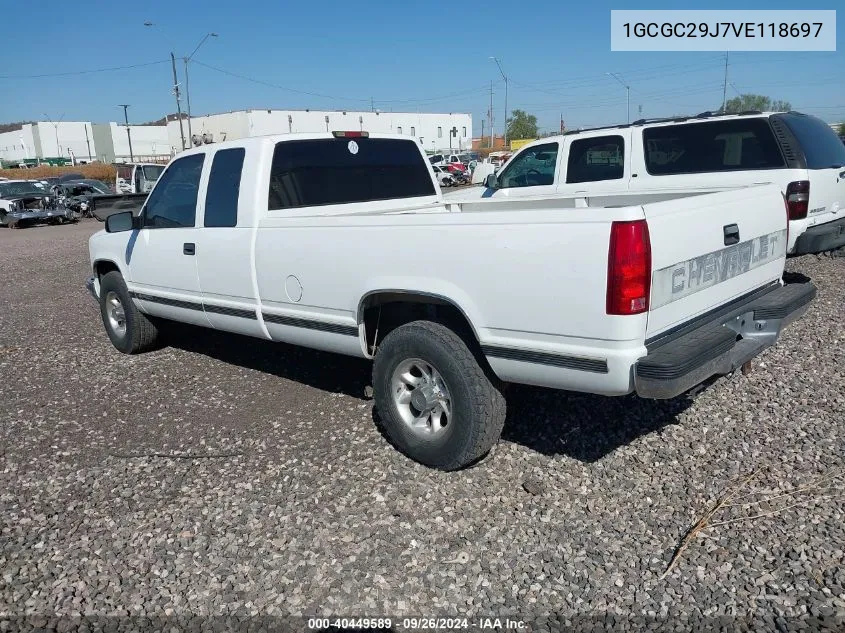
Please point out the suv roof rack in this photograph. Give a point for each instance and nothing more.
(671, 119)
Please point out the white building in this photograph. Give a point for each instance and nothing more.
(149, 143)
(85, 141)
(434, 131)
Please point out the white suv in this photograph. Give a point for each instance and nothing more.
(704, 153)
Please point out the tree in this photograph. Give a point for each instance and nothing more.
(522, 125)
(842, 129)
(762, 103)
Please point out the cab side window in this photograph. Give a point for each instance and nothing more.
(595, 159)
(532, 167)
(173, 201)
(224, 186)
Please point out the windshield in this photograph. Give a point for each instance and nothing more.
(152, 172)
(12, 189)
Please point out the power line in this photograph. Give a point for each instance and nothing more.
(84, 72)
(480, 89)
(277, 86)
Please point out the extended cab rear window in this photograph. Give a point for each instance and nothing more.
(713, 146)
(822, 147)
(319, 172)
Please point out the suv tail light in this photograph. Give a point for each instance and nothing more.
(628, 268)
(797, 199)
(786, 207)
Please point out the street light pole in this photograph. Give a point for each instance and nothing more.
(188, 86)
(176, 93)
(627, 94)
(56, 128)
(506, 98)
(125, 106)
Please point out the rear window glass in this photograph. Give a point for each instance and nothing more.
(727, 145)
(822, 148)
(341, 170)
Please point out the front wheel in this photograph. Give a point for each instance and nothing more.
(438, 405)
(129, 330)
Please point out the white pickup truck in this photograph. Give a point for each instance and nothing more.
(343, 242)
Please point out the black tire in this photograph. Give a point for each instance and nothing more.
(477, 404)
(140, 335)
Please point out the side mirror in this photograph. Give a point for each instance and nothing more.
(491, 182)
(119, 222)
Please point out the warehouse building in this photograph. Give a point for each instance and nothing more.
(84, 142)
(436, 132)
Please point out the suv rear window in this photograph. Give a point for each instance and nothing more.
(726, 145)
(319, 172)
(822, 148)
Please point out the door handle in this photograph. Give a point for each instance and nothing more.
(731, 234)
(189, 248)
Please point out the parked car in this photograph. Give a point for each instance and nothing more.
(78, 194)
(645, 297)
(704, 153)
(451, 162)
(24, 202)
(444, 178)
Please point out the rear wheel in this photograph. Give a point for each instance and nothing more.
(437, 403)
(129, 330)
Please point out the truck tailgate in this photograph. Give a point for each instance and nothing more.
(709, 250)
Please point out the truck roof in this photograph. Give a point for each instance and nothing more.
(296, 136)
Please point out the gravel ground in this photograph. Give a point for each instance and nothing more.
(232, 477)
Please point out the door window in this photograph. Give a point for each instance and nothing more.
(173, 201)
(595, 159)
(224, 186)
(531, 167)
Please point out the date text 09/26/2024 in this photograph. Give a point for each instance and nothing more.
(418, 623)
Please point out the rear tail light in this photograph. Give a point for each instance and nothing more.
(797, 199)
(628, 268)
(786, 206)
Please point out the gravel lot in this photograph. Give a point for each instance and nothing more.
(230, 477)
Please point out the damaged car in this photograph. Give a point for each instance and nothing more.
(77, 195)
(25, 202)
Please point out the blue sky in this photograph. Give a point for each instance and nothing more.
(431, 57)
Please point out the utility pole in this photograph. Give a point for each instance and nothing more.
(490, 114)
(561, 122)
(87, 142)
(125, 106)
(505, 77)
(188, 85)
(372, 105)
(725, 86)
(56, 127)
(178, 104)
(188, 101)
